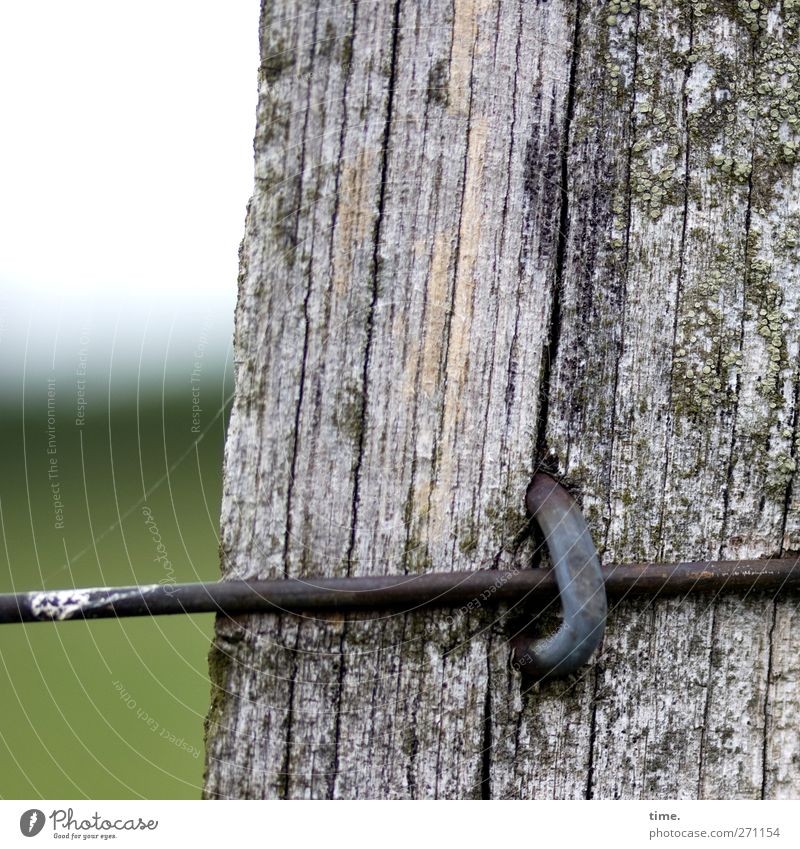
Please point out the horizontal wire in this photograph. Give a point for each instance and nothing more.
(404, 592)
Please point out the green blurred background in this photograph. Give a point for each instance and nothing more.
(126, 164)
(109, 709)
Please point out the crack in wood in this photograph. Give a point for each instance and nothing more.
(486, 752)
(306, 330)
(376, 271)
(284, 787)
(766, 716)
(550, 353)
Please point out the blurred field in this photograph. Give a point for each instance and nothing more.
(110, 709)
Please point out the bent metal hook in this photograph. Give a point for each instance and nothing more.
(580, 586)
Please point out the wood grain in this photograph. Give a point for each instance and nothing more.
(488, 237)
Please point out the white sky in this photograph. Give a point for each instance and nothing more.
(125, 156)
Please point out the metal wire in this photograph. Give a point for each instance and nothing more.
(404, 592)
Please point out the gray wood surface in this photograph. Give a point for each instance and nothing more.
(486, 236)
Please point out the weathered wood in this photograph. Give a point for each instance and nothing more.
(487, 235)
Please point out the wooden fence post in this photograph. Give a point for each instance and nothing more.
(486, 235)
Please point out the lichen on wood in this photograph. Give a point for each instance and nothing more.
(486, 237)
